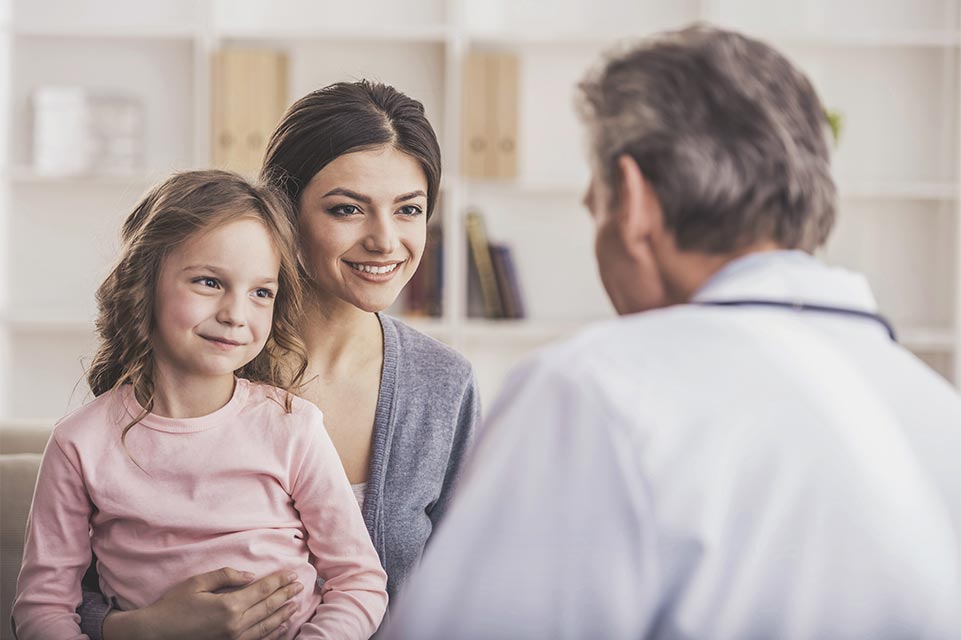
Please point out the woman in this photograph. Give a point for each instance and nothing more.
(361, 164)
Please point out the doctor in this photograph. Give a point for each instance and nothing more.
(746, 453)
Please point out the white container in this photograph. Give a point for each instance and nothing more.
(61, 126)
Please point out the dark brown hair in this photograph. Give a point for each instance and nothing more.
(731, 136)
(346, 117)
(180, 207)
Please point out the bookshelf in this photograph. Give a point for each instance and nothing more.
(893, 69)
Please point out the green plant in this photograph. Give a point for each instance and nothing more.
(836, 122)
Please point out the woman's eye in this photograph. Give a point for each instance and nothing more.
(208, 282)
(410, 210)
(344, 210)
(264, 293)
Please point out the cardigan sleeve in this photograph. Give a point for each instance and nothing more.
(468, 417)
(93, 610)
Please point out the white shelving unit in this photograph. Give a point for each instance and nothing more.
(891, 68)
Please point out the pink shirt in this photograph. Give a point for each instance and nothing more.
(248, 486)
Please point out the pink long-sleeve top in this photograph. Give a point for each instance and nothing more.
(248, 486)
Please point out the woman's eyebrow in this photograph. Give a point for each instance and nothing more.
(340, 191)
(410, 196)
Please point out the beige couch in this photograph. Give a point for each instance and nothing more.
(20, 447)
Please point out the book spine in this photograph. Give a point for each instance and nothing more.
(480, 251)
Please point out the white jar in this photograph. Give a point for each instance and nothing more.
(61, 131)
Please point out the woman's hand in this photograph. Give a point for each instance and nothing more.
(194, 609)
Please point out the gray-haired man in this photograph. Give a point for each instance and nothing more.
(747, 452)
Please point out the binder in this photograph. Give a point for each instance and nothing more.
(490, 115)
(504, 81)
(249, 95)
(478, 148)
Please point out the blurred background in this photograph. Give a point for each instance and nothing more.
(101, 98)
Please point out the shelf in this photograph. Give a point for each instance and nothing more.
(47, 321)
(140, 32)
(555, 38)
(928, 340)
(874, 38)
(520, 331)
(415, 34)
(27, 176)
(851, 189)
(911, 190)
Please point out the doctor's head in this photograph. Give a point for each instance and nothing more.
(705, 145)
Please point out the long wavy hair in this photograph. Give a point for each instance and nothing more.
(177, 209)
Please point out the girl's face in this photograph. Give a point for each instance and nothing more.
(215, 301)
(363, 225)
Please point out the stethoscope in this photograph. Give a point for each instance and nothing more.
(805, 307)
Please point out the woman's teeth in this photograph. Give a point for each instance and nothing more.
(369, 269)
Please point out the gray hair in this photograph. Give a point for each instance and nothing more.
(731, 136)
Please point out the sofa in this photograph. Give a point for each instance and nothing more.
(21, 445)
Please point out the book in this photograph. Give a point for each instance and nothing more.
(507, 283)
(480, 256)
(424, 294)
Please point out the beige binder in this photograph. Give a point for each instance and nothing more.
(478, 149)
(504, 98)
(490, 115)
(248, 98)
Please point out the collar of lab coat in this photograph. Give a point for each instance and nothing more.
(788, 276)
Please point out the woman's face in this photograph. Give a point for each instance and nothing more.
(363, 225)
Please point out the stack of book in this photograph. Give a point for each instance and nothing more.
(492, 274)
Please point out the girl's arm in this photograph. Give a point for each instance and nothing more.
(56, 551)
(354, 584)
(468, 418)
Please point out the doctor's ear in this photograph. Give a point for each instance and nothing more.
(637, 205)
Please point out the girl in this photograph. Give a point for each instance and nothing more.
(361, 164)
(178, 464)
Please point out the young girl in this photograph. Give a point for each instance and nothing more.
(188, 459)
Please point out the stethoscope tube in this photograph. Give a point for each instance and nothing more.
(805, 307)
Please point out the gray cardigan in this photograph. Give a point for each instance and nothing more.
(427, 409)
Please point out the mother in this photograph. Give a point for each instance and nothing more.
(361, 163)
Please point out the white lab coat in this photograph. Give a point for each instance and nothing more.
(704, 472)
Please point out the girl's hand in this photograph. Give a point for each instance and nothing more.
(194, 609)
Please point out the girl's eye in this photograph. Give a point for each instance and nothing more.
(410, 210)
(344, 210)
(208, 282)
(264, 293)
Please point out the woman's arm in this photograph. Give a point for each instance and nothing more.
(194, 609)
(354, 583)
(468, 417)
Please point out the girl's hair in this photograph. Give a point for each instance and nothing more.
(177, 209)
(346, 117)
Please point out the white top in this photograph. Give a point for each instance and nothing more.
(359, 490)
(705, 472)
